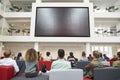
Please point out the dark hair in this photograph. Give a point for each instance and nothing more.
(61, 53)
(48, 53)
(71, 54)
(19, 55)
(118, 54)
(7, 53)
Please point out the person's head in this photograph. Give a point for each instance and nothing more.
(7, 53)
(48, 53)
(71, 54)
(118, 54)
(100, 54)
(96, 54)
(31, 55)
(19, 54)
(104, 55)
(83, 54)
(90, 55)
(61, 53)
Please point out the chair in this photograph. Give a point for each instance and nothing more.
(107, 73)
(70, 74)
(47, 63)
(82, 64)
(21, 65)
(6, 72)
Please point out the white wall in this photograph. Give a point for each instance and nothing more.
(18, 47)
(76, 48)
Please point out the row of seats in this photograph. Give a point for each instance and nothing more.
(109, 73)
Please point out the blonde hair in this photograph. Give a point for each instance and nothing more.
(31, 55)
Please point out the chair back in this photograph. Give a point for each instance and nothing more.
(6, 72)
(47, 63)
(70, 74)
(82, 64)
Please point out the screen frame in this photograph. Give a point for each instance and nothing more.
(88, 21)
(62, 39)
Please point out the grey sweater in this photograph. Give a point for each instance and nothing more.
(31, 66)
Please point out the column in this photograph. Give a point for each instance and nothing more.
(36, 46)
(1, 46)
(87, 49)
(86, 1)
(38, 1)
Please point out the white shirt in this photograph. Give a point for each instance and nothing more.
(9, 62)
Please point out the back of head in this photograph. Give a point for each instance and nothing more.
(19, 54)
(7, 53)
(71, 54)
(48, 53)
(61, 53)
(96, 54)
(118, 54)
(83, 54)
(31, 55)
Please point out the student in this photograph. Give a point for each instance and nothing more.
(48, 56)
(19, 57)
(31, 62)
(72, 59)
(117, 63)
(61, 63)
(93, 64)
(7, 61)
(83, 58)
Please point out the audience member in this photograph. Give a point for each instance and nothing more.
(117, 63)
(90, 58)
(93, 64)
(31, 62)
(19, 56)
(83, 58)
(40, 58)
(7, 61)
(61, 63)
(48, 56)
(105, 57)
(101, 57)
(72, 59)
(114, 58)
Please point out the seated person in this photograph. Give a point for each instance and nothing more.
(90, 58)
(61, 63)
(93, 64)
(83, 58)
(72, 59)
(117, 63)
(31, 62)
(48, 57)
(7, 61)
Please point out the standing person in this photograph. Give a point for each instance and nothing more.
(7, 61)
(93, 64)
(31, 62)
(117, 63)
(83, 58)
(48, 56)
(72, 59)
(61, 63)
